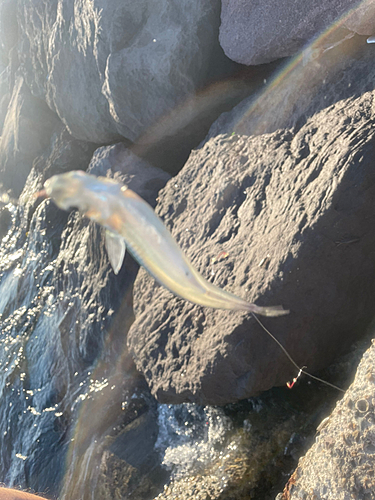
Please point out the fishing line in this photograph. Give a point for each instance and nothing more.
(300, 370)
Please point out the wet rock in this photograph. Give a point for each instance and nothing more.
(282, 218)
(121, 461)
(135, 60)
(5, 220)
(257, 33)
(128, 469)
(340, 464)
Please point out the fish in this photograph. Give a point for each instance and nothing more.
(371, 39)
(131, 223)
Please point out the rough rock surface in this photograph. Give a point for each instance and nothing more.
(340, 464)
(294, 212)
(134, 60)
(260, 32)
(118, 162)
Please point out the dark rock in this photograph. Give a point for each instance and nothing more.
(309, 83)
(27, 130)
(130, 467)
(120, 163)
(294, 213)
(257, 33)
(135, 60)
(5, 221)
(340, 464)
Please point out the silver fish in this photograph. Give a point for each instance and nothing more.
(131, 222)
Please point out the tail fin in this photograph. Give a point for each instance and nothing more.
(269, 311)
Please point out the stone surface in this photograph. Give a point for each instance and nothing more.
(27, 130)
(362, 20)
(8, 27)
(260, 32)
(294, 212)
(134, 60)
(310, 83)
(120, 163)
(340, 464)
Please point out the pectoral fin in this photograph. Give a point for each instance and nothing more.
(115, 246)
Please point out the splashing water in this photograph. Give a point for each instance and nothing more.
(190, 437)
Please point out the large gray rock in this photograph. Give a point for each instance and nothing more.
(260, 32)
(294, 212)
(134, 60)
(340, 464)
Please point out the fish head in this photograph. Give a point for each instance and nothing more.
(67, 190)
(95, 197)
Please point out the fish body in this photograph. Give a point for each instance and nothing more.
(130, 221)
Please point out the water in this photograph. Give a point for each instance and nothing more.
(190, 437)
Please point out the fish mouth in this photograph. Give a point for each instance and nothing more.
(41, 194)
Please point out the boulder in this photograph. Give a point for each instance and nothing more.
(340, 464)
(135, 60)
(260, 32)
(280, 218)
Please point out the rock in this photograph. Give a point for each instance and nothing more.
(27, 131)
(282, 218)
(5, 221)
(310, 83)
(257, 33)
(122, 462)
(62, 154)
(135, 60)
(362, 20)
(8, 27)
(340, 464)
(120, 163)
(128, 469)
